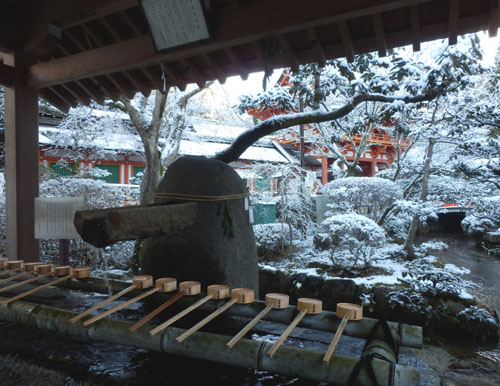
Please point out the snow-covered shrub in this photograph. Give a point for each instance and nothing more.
(368, 196)
(407, 299)
(354, 239)
(430, 247)
(396, 227)
(483, 217)
(270, 239)
(479, 322)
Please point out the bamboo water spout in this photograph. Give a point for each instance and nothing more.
(238, 295)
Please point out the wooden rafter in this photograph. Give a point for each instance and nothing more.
(415, 27)
(286, 44)
(494, 22)
(346, 41)
(232, 28)
(6, 75)
(235, 58)
(453, 27)
(378, 26)
(317, 46)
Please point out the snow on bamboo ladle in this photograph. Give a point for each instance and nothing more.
(346, 311)
(65, 272)
(12, 266)
(191, 288)
(185, 288)
(238, 295)
(273, 301)
(28, 268)
(166, 284)
(305, 306)
(41, 271)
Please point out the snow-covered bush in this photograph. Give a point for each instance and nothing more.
(479, 322)
(483, 217)
(407, 299)
(368, 196)
(353, 239)
(270, 239)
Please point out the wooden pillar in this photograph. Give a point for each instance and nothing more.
(324, 170)
(21, 162)
(373, 166)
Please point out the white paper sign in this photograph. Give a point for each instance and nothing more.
(54, 217)
(175, 22)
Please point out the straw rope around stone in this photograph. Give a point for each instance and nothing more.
(196, 197)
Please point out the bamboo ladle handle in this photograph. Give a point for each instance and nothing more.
(273, 300)
(285, 333)
(31, 280)
(120, 306)
(101, 304)
(346, 311)
(18, 276)
(9, 271)
(147, 318)
(201, 323)
(248, 327)
(335, 339)
(175, 318)
(7, 301)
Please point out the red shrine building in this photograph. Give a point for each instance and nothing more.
(380, 153)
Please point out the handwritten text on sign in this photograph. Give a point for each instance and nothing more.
(54, 217)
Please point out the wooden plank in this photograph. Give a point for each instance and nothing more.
(6, 75)
(494, 23)
(378, 26)
(21, 163)
(415, 27)
(286, 44)
(346, 41)
(317, 46)
(231, 28)
(453, 22)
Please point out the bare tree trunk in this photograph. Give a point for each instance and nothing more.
(412, 232)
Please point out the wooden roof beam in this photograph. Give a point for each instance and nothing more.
(173, 76)
(231, 28)
(235, 58)
(415, 27)
(64, 95)
(6, 75)
(453, 22)
(191, 67)
(317, 46)
(346, 41)
(216, 69)
(494, 22)
(286, 44)
(378, 26)
(8, 35)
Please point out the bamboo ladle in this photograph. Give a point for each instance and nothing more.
(3, 263)
(185, 288)
(138, 282)
(166, 284)
(238, 295)
(41, 271)
(346, 311)
(12, 266)
(273, 301)
(29, 268)
(305, 306)
(65, 271)
(215, 291)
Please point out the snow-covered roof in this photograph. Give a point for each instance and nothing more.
(191, 145)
